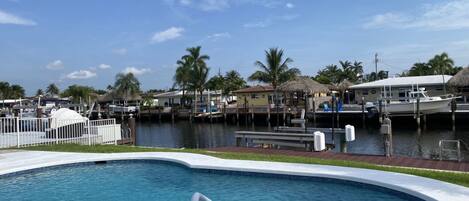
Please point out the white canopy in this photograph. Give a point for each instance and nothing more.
(64, 116)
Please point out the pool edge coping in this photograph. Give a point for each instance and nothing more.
(421, 187)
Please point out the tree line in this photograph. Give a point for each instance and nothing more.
(192, 75)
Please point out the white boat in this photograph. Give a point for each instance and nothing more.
(427, 104)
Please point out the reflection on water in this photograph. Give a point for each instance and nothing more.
(407, 141)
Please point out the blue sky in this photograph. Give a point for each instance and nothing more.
(88, 42)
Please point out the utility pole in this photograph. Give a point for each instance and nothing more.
(376, 66)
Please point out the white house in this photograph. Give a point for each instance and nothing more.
(372, 91)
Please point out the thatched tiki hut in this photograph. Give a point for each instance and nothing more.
(343, 89)
(460, 83)
(302, 88)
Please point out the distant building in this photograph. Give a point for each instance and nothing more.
(372, 91)
(174, 98)
(255, 96)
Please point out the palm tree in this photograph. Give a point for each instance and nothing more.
(233, 81)
(276, 70)
(199, 70)
(39, 92)
(183, 76)
(441, 64)
(420, 69)
(77, 92)
(16, 91)
(4, 90)
(126, 85)
(52, 90)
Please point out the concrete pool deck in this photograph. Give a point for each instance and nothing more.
(425, 188)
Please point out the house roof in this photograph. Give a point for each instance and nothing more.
(405, 81)
(187, 93)
(258, 88)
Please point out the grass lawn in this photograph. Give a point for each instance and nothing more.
(451, 177)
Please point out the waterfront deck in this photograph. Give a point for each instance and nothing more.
(373, 159)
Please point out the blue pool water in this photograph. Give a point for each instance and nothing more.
(150, 180)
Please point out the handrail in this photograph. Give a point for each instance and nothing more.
(458, 148)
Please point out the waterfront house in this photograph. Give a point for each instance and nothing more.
(174, 98)
(260, 95)
(396, 88)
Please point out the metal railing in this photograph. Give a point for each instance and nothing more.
(442, 148)
(24, 132)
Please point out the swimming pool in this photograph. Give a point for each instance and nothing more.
(157, 180)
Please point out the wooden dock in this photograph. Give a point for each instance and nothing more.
(400, 161)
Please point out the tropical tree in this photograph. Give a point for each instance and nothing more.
(39, 92)
(4, 90)
(420, 69)
(183, 75)
(109, 87)
(77, 93)
(373, 76)
(331, 74)
(275, 71)
(199, 70)
(52, 90)
(441, 64)
(126, 85)
(16, 91)
(217, 82)
(233, 82)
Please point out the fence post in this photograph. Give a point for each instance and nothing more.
(56, 131)
(114, 129)
(18, 132)
(89, 132)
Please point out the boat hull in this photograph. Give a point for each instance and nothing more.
(425, 107)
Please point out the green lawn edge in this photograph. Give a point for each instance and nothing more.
(458, 178)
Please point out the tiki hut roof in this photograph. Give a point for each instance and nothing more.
(461, 79)
(303, 83)
(253, 89)
(344, 85)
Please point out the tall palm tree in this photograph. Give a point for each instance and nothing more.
(441, 64)
(183, 76)
(4, 90)
(39, 92)
(52, 90)
(126, 85)
(233, 81)
(420, 69)
(16, 91)
(199, 70)
(275, 71)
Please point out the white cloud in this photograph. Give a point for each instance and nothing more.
(168, 34)
(441, 16)
(213, 5)
(104, 66)
(7, 18)
(55, 65)
(135, 71)
(269, 21)
(217, 36)
(289, 5)
(81, 74)
(120, 51)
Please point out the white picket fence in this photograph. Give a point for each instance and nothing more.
(23, 132)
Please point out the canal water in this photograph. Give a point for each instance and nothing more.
(407, 139)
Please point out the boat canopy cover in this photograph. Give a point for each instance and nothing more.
(65, 116)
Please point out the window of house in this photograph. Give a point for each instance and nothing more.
(365, 92)
(253, 96)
